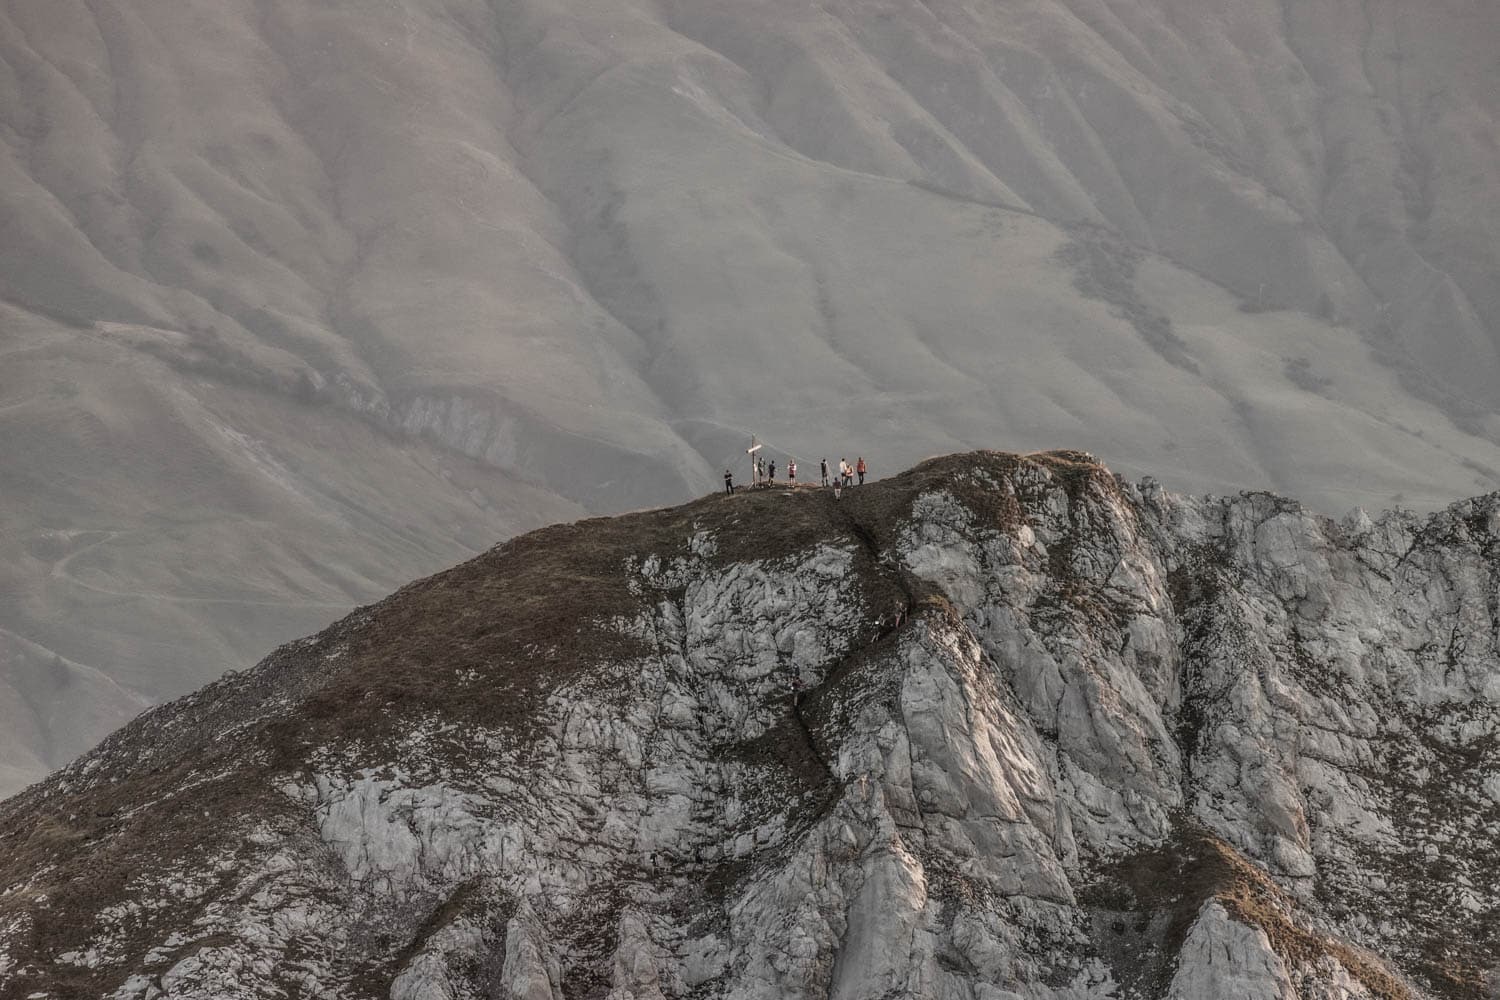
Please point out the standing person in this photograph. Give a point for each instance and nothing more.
(825, 471)
(771, 475)
(728, 482)
(859, 467)
(791, 470)
(760, 469)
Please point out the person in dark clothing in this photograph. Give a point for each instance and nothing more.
(824, 464)
(859, 466)
(771, 474)
(728, 481)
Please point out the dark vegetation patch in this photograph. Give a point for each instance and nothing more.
(1196, 581)
(789, 751)
(207, 253)
(377, 978)
(524, 618)
(858, 680)
(1299, 372)
(102, 856)
(209, 352)
(593, 935)
(1104, 267)
(1144, 904)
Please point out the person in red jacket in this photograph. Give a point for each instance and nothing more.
(859, 467)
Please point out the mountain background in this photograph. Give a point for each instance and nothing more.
(302, 300)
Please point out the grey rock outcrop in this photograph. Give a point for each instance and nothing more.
(997, 728)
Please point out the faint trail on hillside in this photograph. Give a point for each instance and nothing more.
(61, 571)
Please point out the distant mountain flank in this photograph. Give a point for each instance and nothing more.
(302, 301)
(999, 726)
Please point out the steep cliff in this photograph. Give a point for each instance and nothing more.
(998, 727)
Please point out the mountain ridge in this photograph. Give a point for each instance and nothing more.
(997, 726)
(380, 285)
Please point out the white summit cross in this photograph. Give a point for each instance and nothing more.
(754, 447)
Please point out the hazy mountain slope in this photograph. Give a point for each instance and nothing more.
(271, 269)
(161, 528)
(1058, 737)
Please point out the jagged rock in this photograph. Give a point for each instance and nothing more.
(1225, 958)
(530, 972)
(997, 728)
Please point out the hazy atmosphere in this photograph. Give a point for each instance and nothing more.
(300, 301)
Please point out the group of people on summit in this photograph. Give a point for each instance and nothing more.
(765, 472)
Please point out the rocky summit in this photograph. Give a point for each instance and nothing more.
(999, 727)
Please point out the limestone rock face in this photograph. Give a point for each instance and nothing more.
(996, 728)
